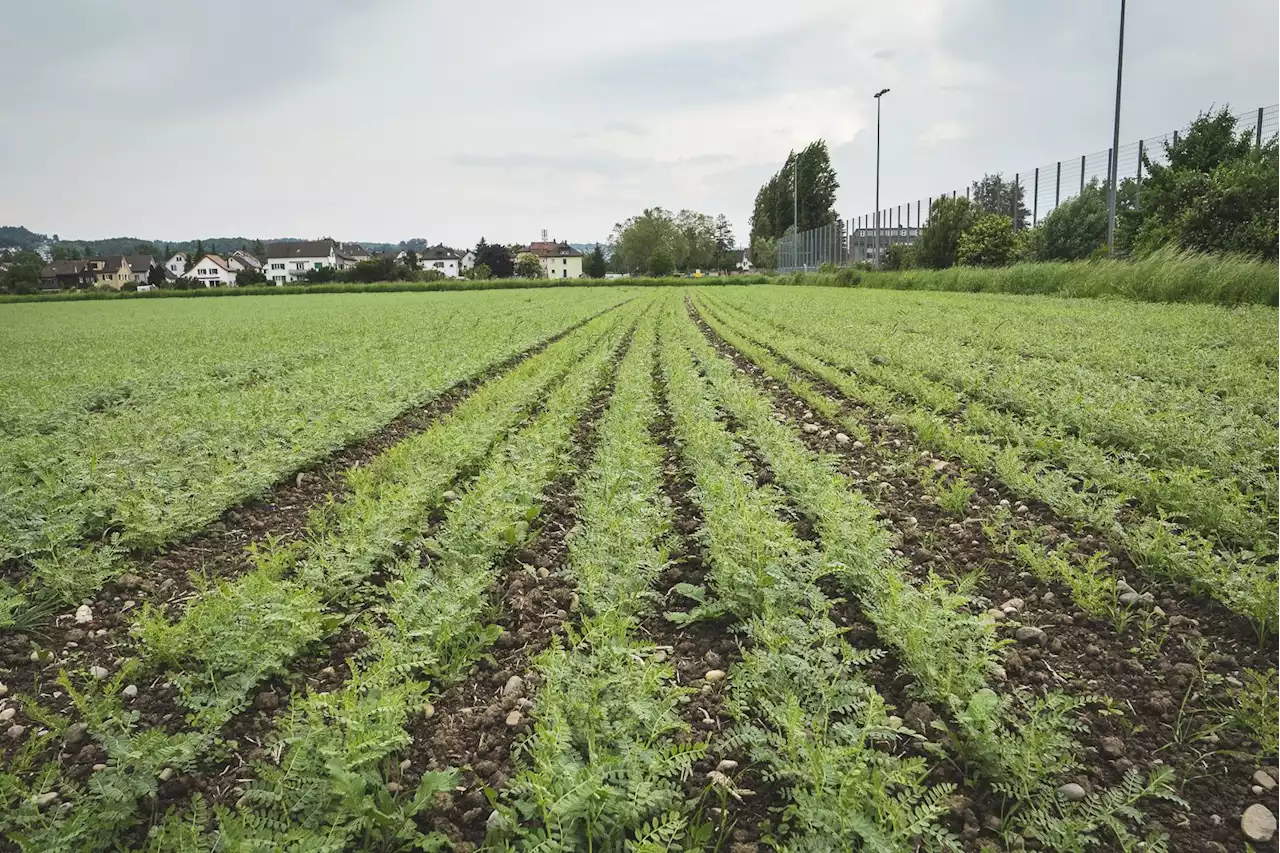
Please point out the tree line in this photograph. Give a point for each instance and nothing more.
(659, 243)
(1216, 192)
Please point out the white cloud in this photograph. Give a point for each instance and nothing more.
(388, 120)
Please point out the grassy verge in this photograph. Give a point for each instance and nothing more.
(1162, 277)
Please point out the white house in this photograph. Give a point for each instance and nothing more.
(242, 260)
(289, 262)
(559, 260)
(176, 265)
(441, 259)
(468, 260)
(350, 254)
(212, 271)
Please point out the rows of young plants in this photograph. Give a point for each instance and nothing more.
(421, 628)
(1172, 446)
(602, 768)
(1031, 460)
(1022, 746)
(803, 711)
(127, 427)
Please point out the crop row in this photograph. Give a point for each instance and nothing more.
(1021, 747)
(425, 628)
(146, 426)
(1243, 581)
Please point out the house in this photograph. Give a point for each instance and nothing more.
(242, 260)
(442, 259)
(212, 271)
(115, 271)
(176, 265)
(67, 275)
(738, 260)
(468, 261)
(350, 254)
(289, 262)
(559, 260)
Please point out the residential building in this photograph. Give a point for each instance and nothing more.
(115, 271)
(442, 259)
(289, 262)
(468, 261)
(68, 275)
(177, 265)
(559, 260)
(242, 260)
(350, 254)
(738, 260)
(213, 271)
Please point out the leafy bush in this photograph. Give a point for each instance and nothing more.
(528, 266)
(1075, 228)
(940, 239)
(989, 242)
(899, 256)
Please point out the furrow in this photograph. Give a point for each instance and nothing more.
(1161, 677)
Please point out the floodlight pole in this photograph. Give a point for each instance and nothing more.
(1115, 144)
(876, 235)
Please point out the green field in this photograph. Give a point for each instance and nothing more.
(730, 568)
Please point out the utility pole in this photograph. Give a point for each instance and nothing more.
(877, 231)
(1115, 144)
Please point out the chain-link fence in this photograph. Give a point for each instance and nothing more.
(1042, 189)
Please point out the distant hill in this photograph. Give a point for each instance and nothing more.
(18, 237)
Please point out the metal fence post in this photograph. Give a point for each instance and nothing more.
(1057, 186)
(1035, 199)
(1013, 202)
(917, 213)
(1082, 172)
(1258, 140)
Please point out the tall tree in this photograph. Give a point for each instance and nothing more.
(993, 194)
(194, 257)
(807, 181)
(259, 250)
(635, 240)
(699, 240)
(594, 264)
(65, 253)
(496, 257)
(156, 277)
(145, 249)
(724, 243)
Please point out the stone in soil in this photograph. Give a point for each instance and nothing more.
(1030, 634)
(84, 615)
(1263, 778)
(1072, 792)
(1258, 823)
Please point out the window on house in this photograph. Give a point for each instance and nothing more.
(297, 265)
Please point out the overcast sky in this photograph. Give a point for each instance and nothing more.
(389, 120)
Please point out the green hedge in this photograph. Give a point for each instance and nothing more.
(381, 287)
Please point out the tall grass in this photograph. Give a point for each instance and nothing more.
(1165, 276)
